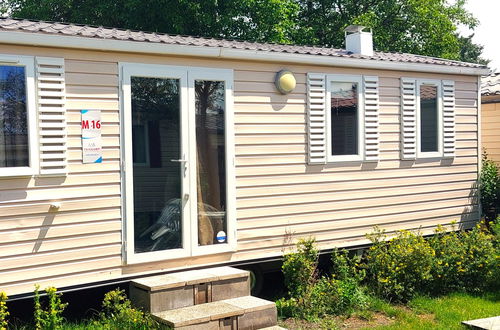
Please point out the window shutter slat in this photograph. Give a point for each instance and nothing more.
(408, 119)
(51, 115)
(371, 118)
(448, 118)
(316, 104)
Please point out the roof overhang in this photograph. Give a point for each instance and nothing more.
(490, 98)
(78, 42)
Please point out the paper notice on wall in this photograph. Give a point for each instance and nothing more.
(91, 136)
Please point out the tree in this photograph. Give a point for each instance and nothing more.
(471, 52)
(253, 20)
(426, 27)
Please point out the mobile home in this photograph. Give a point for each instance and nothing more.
(127, 153)
(490, 116)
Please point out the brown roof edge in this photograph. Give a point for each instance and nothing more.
(95, 32)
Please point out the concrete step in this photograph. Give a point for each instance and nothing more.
(189, 288)
(490, 323)
(237, 313)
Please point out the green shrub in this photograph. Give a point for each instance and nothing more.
(495, 231)
(50, 316)
(299, 268)
(118, 313)
(399, 268)
(489, 189)
(345, 267)
(465, 260)
(408, 264)
(337, 297)
(310, 297)
(4, 313)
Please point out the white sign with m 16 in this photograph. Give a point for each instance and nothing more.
(91, 136)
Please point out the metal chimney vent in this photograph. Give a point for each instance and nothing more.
(358, 41)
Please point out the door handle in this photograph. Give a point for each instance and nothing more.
(183, 161)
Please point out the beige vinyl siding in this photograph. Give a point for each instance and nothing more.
(490, 130)
(80, 242)
(278, 193)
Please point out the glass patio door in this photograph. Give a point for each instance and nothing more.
(178, 175)
(156, 169)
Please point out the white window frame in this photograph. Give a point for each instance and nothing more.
(330, 78)
(29, 63)
(439, 101)
(225, 75)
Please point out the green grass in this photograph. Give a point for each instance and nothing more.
(440, 313)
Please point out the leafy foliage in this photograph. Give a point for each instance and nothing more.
(408, 264)
(489, 188)
(345, 267)
(118, 313)
(257, 20)
(50, 316)
(399, 268)
(426, 27)
(4, 313)
(471, 52)
(465, 261)
(311, 297)
(299, 268)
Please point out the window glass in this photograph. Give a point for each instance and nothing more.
(14, 148)
(211, 161)
(344, 118)
(157, 188)
(428, 118)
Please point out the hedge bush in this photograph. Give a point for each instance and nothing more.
(465, 260)
(399, 268)
(396, 269)
(409, 264)
(489, 188)
(311, 297)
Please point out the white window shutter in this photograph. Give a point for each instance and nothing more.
(408, 118)
(316, 104)
(371, 118)
(51, 115)
(448, 118)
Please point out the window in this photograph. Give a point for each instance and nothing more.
(429, 122)
(210, 109)
(17, 116)
(345, 115)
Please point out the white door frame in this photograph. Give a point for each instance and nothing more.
(127, 70)
(187, 76)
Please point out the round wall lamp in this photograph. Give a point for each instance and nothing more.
(285, 81)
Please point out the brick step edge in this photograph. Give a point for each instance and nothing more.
(247, 311)
(189, 277)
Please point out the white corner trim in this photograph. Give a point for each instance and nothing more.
(77, 42)
(479, 145)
